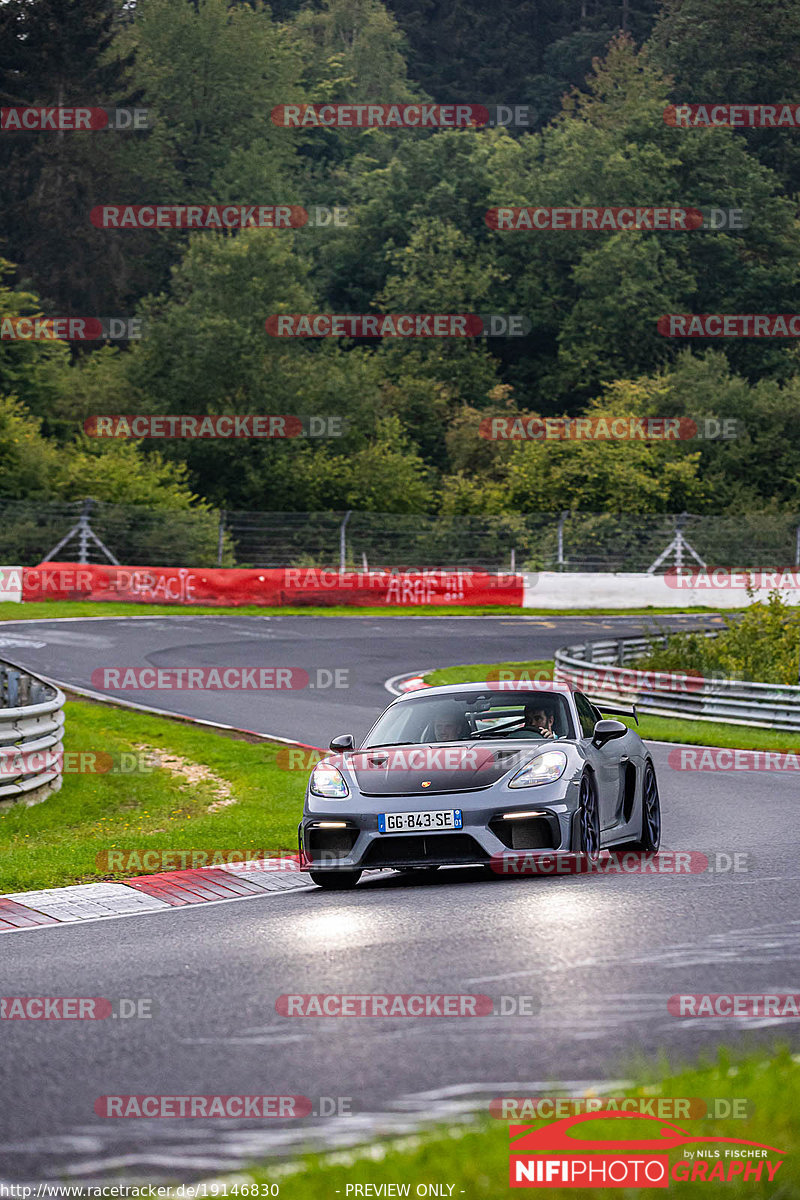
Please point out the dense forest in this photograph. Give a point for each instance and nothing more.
(596, 78)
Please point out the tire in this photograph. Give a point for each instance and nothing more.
(335, 881)
(651, 813)
(589, 818)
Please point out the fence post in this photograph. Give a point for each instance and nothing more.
(220, 536)
(83, 530)
(343, 542)
(561, 521)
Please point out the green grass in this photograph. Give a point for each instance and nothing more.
(477, 672)
(715, 733)
(57, 842)
(474, 1157)
(48, 609)
(657, 729)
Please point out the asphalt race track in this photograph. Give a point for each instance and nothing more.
(369, 650)
(598, 955)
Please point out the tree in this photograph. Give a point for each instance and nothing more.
(64, 53)
(385, 475)
(208, 352)
(30, 370)
(212, 73)
(727, 51)
(752, 461)
(588, 474)
(528, 52)
(594, 298)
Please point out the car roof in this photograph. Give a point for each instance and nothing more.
(512, 685)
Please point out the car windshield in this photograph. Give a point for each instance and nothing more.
(524, 716)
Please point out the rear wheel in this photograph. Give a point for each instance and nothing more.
(589, 819)
(651, 813)
(335, 881)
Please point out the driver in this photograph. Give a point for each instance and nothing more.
(539, 719)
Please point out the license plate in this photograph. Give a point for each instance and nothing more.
(425, 822)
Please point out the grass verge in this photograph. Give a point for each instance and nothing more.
(474, 1157)
(43, 610)
(657, 729)
(218, 793)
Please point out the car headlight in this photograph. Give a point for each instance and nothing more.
(328, 781)
(545, 768)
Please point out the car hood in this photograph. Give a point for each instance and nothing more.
(427, 769)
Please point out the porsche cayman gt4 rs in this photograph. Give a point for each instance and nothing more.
(475, 774)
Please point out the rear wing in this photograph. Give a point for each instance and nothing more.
(619, 710)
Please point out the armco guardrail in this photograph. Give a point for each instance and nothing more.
(31, 733)
(598, 668)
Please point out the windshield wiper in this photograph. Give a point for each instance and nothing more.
(385, 745)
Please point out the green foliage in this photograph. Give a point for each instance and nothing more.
(633, 476)
(720, 51)
(212, 73)
(27, 461)
(28, 369)
(416, 240)
(386, 475)
(762, 645)
(68, 52)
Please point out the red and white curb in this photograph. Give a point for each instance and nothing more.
(398, 685)
(149, 893)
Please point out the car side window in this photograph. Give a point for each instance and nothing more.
(585, 714)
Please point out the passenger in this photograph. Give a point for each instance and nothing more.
(449, 728)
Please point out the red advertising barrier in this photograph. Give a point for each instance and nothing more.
(269, 587)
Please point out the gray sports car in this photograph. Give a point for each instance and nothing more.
(479, 773)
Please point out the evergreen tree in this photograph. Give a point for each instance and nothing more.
(63, 53)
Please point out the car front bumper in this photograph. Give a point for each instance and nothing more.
(335, 835)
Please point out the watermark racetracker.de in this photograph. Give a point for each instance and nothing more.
(71, 329)
(213, 679)
(729, 325)
(393, 1004)
(211, 426)
(619, 219)
(397, 325)
(601, 429)
(403, 116)
(76, 1008)
(218, 216)
(76, 119)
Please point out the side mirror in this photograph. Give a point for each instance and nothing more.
(608, 731)
(346, 741)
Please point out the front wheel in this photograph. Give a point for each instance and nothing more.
(335, 881)
(651, 814)
(589, 817)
